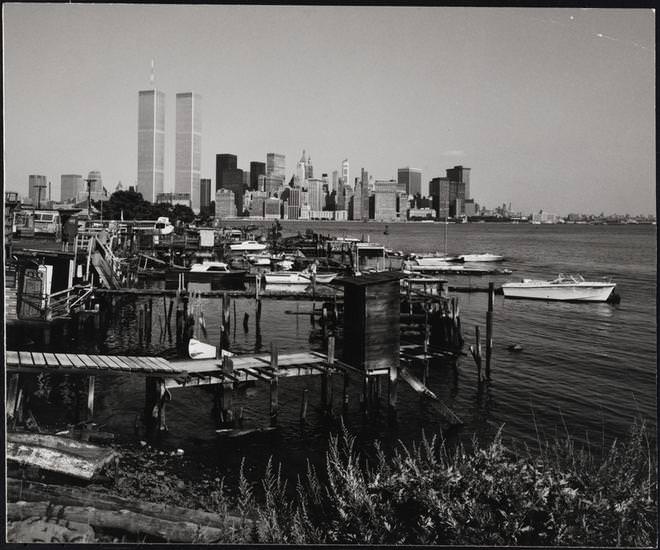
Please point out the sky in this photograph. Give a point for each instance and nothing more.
(552, 109)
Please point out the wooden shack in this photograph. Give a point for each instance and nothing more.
(371, 321)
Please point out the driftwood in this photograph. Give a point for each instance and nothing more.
(420, 388)
(58, 454)
(18, 490)
(124, 520)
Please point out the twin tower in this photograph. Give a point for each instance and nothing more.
(151, 145)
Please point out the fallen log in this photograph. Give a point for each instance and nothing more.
(19, 490)
(58, 454)
(124, 520)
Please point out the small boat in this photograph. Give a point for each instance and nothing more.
(248, 246)
(569, 288)
(260, 259)
(287, 278)
(201, 350)
(210, 271)
(481, 258)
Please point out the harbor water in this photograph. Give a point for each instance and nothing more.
(586, 368)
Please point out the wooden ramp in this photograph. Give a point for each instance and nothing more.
(26, 361)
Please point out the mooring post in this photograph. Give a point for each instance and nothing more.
(476, 353)
(274, 405)
(303, 406)
(226, 392)
(489, 327)
(246, 318)
(326, 379)
(149, 320)
(91, 379)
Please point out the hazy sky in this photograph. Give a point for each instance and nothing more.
(553, 109)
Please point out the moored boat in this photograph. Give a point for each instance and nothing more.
(215, 272)
(481, 258)
(248, 246)
(296, 278)
(569, 288)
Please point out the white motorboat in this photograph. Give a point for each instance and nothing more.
(260, 259)
(296, 278)
(248, 246)
(569, 288)
(481, 258)
(201, 350)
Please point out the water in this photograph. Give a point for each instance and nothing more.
(589, 367)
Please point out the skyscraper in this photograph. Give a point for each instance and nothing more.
(223, 163)
(365, 194)
(412, 178)
(37, 186)
(188, 155)
(204, 193)
(385, 200)
(72, 187)
(460, 174)
(345, 172)
(309, 169)
(276, 165)
(256, 169)
(151, 143)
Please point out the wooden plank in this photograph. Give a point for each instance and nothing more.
(130, 362)
(140, 364)
(104, 362)
(118, 362)
(25, 358)
(161, 364)
(38, 359)
(11, 358)
(75, 360)
(88, 361)
(51, 360)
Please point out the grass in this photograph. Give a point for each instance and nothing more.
(555, 495)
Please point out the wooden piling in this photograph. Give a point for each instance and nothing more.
(489, 328)
(246, 318)
(303, 406)
(148, 320)
(140, 321)
(345, 391)
(326, 379)
(274, 405)
(91, 379)
(226, 393)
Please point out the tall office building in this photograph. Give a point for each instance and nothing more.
(151, 144)
(365, 194)
(256, 169)
(188, 155)
(223, 163)
(460, 174)
(309, 169)
(37, 188)
(385, 200)
(412, 178)
(301, 170)
(225, 204)
(316, 197)
(204, 193)
(345, 172)
(276, 165)
(72, 187)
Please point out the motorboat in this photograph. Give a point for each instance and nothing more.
(569, 288)
(260, 259)
(248, 246)
(481, 258)
(304, 278)
(434, 260)
(212, 271)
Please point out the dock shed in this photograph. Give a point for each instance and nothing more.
(371, 321)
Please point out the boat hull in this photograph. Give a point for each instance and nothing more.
(589, 292)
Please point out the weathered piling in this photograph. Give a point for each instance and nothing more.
(148, 321)
(274, 404)
(489, 328)
(303, 405)
(246, 318)
(226, 393)
(326, 379)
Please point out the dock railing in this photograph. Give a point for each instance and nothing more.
(60, 304)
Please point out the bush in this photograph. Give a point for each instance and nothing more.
(485, 496)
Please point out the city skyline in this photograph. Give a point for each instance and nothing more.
(554, 112)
